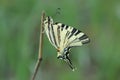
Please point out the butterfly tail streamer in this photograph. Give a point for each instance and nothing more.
(68, 61)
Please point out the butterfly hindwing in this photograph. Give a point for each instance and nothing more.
(51, 32)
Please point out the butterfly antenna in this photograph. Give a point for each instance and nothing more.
(57, 12)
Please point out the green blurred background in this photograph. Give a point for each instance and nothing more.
(19, 39)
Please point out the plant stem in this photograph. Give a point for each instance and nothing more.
(40, 46)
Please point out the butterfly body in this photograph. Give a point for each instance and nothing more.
(63, 38)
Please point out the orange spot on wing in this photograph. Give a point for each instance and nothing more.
(58, 49)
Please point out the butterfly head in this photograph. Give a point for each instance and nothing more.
(64, 55)
(48, 20)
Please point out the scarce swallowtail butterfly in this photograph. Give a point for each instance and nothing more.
(63, 38)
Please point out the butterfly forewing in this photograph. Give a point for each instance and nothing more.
(71, 36)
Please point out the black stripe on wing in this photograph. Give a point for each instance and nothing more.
(78, 31)
(53, 35)
(84, 39)
(66, 27)
(49, 30)
(62, 26)
(58, 34)
(73, 32)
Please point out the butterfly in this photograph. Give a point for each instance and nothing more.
(63, 38)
